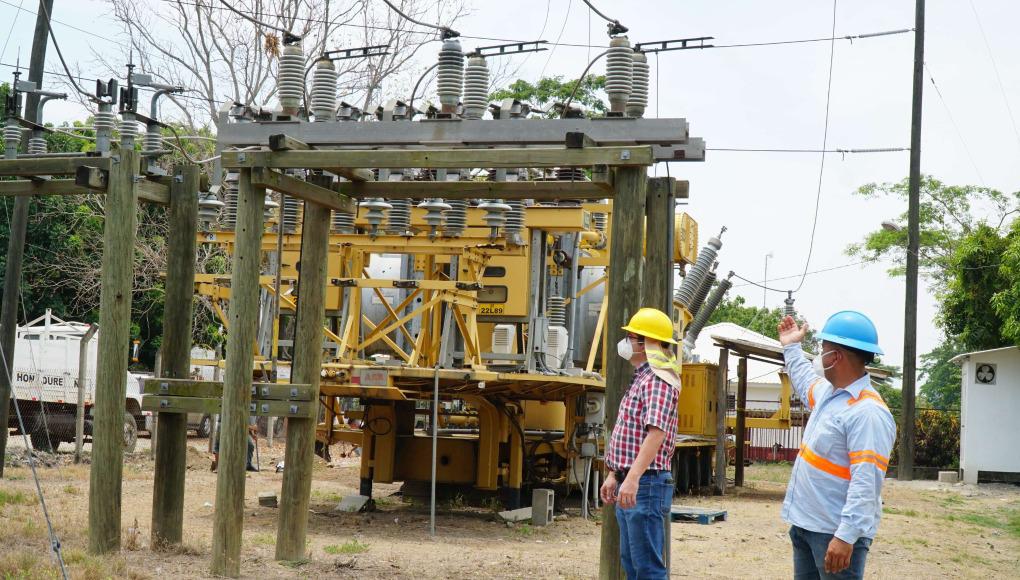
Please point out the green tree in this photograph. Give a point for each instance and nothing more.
(551, 90)
(941, 378)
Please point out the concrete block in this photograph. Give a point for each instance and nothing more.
(949, 476)
(518, 515)
(542, 507)
(353, 503)
(268, 499)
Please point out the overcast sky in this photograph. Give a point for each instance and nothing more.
(766, 97)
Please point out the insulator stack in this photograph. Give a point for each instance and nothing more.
(342, 222)
(556, 311)
(571, 174)
(153, 140)
(12, 135)
(128, 132)
(456, 218)
(434, 210)
(324, 91)
(37, 145)
(209, 208)
(514, 219)
(788, 309)
(398, 220)
(450, 77)
(601, 220)
(692, 281)
(104, 122)
(639, 87)
(377, 208)
(711, 303)
(292, 210)
(703, 290)
(495, 215)
(619, 70)
(229, 216)
(290, 80)
(476, 88)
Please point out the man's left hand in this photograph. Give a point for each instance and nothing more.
(626, 496)
(837, 557)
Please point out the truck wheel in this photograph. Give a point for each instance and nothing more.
(41, 441)
(130, 433)
(204, 427)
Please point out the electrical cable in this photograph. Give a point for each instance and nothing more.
(54, 540)
(601, 15)
(71, 26)
(995, 67)
(251, 19)
(841, 151)
(566, 105)
(555, 45)
(414, 91)
(446, 31)
(830, 269)
(931, 77)
(825, 142)
(180, 145)
(3, 51)
(67, 70)
(545, 22)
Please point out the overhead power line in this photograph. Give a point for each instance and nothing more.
(841, 151)
(966, 148)
(71, 26)
(995, 67)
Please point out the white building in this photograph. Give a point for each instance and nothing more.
(990, 415)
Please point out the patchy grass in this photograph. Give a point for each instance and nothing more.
(1006, 520)
(27, 565)
(326, 496)
(295, 563)
(965, 558)
(901, 512)
(70, 490)
(264, 539)
(456, 502)
(351, 547)
(387, 502)
(951, 500)
(523, 531)
(769, 472)
(493, 504)
(16, 498)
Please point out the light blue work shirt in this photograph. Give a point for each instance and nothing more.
(836, 483)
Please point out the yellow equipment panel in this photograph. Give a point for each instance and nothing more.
(698, 407)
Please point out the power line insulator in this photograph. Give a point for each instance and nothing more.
(619, 73)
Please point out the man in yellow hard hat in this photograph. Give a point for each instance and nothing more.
(641, 446)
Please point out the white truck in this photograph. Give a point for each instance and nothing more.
(45, 384)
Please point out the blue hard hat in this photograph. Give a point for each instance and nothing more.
(853, 329)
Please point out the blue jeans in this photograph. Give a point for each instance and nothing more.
(642, 527)
(809, 556)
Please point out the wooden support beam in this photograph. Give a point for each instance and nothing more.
(579, 140)
(49, 165)
(285, 143)
(92, 178)
(658, 274)
(172, 429)
(683, 189)
(741, 430)
(44, 187)
(155, 192)
(244, 305)
(720, 420)
(105, 478)
(537, 190)
(301, 189)
(633, 156)
(624, 294)
(297, 477)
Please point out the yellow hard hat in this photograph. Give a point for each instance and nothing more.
(654, 324)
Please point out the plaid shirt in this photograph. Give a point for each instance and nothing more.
(650, 401)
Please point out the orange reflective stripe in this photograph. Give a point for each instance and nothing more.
(822, 464)
(867, 395)
(811, 395)
(869, 456)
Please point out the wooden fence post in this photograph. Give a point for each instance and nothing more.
(172, 428)
(297, 477)
(624, 288)
(244, 307)
(120, 225)
(721, 405)
(741, 430)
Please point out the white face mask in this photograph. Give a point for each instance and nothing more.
(819, 365)
(624, 349)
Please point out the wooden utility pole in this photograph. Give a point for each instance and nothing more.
(625, 293)
(905, 470)
(308, 336)
(721, 404)
(741, 430)
(244, 307)
(119, 229)
(172, 428)
(658, 273)
(16, 238)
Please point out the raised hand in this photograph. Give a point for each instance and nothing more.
(790, 332)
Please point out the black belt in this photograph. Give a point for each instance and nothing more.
(621, 474)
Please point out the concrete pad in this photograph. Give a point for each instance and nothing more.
(949, 477)
(518, 515)
(353, 503)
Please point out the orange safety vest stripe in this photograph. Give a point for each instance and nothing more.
(874, 461)
(867, 395)
(822, 464)
(811, 395)
(869, 456)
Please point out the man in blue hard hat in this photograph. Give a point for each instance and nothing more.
(833, 502)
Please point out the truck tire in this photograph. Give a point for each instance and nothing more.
(130, 433)
(204, 427)
(41, 441)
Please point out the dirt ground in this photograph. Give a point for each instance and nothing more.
(929, 530)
